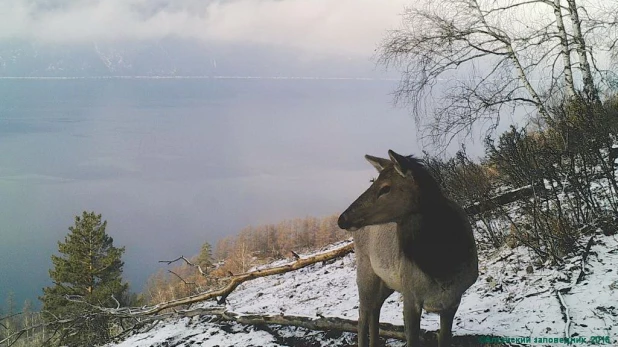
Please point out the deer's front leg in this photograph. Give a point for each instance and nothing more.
(412, 310)
(446, 325)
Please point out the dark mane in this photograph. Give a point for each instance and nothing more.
(429, 188)
(442, 244)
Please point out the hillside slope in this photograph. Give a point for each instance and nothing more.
(507, 300)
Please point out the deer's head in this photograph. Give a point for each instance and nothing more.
(392, 195)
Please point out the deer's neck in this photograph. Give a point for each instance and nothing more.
(437, 240)
(408, 231)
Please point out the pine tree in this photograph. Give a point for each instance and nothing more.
(89, 267)
(204, 260)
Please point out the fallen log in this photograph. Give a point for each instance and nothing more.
(321, 323)
(236, 280)
(505, 198)
(328, 324)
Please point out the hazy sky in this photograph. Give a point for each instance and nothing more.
(172, 164)
(315, 27)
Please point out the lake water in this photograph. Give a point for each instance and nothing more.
(174, 163)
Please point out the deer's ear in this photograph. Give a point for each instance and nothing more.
(378, 163)
(398, 161)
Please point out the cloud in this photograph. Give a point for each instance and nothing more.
(345, 27)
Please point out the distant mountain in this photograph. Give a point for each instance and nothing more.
(170, 57)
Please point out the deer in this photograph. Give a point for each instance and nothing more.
(410, 238)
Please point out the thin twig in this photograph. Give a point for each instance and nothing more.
(182, 279)
(565, 310)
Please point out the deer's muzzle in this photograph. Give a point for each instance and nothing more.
(344, 223)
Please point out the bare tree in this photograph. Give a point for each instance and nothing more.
(470, 61)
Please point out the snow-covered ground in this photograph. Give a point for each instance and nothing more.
(513, 297)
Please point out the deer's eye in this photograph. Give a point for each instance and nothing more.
(384, 190)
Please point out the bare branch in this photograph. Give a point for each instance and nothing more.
(467, 62)
(116, 301)
(182, 279)
(182, 257)
(10, 316)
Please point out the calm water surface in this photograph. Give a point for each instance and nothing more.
(174, 163)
